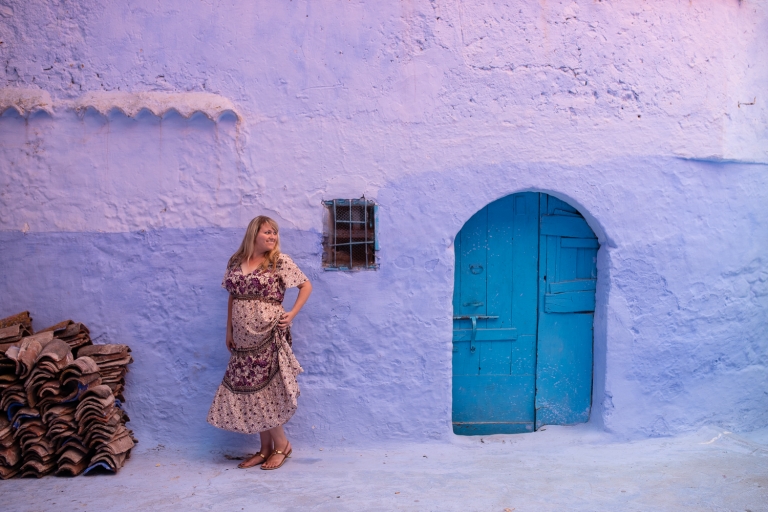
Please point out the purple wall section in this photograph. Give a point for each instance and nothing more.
(123, 219)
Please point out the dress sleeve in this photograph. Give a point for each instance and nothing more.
(226, 283)
(290, 273)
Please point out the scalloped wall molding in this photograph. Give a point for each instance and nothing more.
(28, 101)
(159, 103)
(25, 101)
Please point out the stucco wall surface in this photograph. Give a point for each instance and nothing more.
(649, 117)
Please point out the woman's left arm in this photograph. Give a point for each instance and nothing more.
(305, 289)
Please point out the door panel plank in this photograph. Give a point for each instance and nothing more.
(495, 358)
(485, 335)
(491, 427)
(473, 265)
(561, 225)
(501, 239)
(569, 302)
(567, 269)
(572, 286)
(493, 398)
(564, 346)
(586, 243)
(525, 270)
(564, 372)
(493, 388)
(524, 357)
(554, 204)
(587, 264)
(465, 362)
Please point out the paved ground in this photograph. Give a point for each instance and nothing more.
(562, 468)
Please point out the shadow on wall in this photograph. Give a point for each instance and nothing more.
(376, 345)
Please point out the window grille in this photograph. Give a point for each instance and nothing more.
(350, 240)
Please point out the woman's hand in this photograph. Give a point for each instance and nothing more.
(229, 338)
(305, 289)
(230, 341)
(286, 319)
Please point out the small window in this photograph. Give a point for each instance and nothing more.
(349, 240)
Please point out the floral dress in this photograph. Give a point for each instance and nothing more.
(259, 390)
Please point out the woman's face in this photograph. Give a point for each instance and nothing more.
(266, 239)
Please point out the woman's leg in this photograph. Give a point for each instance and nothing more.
(263, 453)
(267, 445)
(280, 443)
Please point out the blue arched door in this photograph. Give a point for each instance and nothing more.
(523, 305)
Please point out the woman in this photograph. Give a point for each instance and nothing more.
(259, 390)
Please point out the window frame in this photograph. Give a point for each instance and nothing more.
(331, 242)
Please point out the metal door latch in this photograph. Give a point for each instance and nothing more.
(474, 319)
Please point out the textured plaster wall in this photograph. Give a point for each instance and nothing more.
(640, 114)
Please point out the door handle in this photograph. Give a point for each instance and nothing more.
(474, 319)
(473, 304)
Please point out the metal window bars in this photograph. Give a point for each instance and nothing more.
(350, 240)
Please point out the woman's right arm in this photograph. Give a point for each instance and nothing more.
(230, 338)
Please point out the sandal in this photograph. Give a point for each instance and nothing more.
(264, 458)
(278, 452)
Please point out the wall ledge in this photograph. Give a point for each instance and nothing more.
(29, 101)
(186, 104)
(25, 101)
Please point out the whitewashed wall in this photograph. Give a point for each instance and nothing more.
(119, 208)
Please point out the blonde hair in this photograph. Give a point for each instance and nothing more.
(245, 252)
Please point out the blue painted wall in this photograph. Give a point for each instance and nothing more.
(125, 222)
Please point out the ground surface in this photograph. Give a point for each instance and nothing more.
(561, 468)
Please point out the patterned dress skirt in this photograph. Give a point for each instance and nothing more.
(259, 390)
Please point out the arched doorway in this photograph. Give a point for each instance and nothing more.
(523, 303)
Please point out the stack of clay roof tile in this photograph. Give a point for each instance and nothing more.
(76, 378)
(22, 318)
(60, 413)
(42, 386)
(113, 361)
(12, 393)
(74, 334)
(13, 328)
(108, 436)
(102, 425)
(10, 450)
